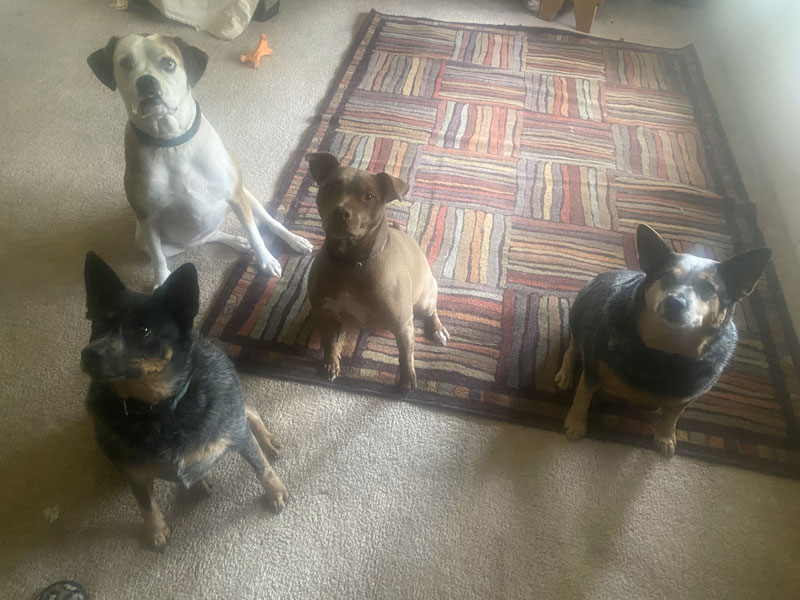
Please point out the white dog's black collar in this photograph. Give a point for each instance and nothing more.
(148, 140)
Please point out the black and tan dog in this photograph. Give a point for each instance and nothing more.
(165, 402)
(367, 275)
(660, 338)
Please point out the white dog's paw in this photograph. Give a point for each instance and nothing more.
(299, 244)
(269, 264)
(239, 244)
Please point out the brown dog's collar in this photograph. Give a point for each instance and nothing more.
(145, 139)
(359, 264)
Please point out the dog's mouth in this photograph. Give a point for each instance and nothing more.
(152, 106)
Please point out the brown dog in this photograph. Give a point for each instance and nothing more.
(367, 275)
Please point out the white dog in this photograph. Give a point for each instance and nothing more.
(179, 177)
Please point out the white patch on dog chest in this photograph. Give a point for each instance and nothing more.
(347, 308)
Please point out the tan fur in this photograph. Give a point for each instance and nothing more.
(153, 385)
(614, 384)
(268, 442)
(207, 452)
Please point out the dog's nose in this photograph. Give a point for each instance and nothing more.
(674, 305)
(91, 358)
(147, 86)
(342, 214)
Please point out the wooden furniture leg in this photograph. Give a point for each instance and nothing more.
(584, 14)
(549, 8)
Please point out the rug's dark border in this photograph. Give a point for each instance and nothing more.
(700, 94)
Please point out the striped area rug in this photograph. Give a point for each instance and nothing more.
(532, 155)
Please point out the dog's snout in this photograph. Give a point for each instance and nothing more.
(91, 357)
(342, 213)
(147, 86)
(674, 305)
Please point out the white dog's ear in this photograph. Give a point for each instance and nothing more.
(320, 163)
(194, 61)
(102, 63)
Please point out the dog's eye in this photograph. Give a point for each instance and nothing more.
(369, 197)
(168, 64)
(126, 64)
(704, 289)
(141, 331)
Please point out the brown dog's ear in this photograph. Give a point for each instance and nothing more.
(652, 249)
(392, 188)
(194, 61)
(742, 272)
(102, 284)
(102, 63)
(320, 164)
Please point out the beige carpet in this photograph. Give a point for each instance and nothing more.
(390, 500)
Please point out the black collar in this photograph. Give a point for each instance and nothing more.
(172, 403)
(356, 263)
(148, 140)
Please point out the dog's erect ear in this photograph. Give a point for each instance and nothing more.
(102, 284)
(742, 272)
(180, 295)
(392, 188)
(321, 163)
(653, 250)
(194, 61)
(102, 63)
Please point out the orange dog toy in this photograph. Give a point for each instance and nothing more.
(261, 50)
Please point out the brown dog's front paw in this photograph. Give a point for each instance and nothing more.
(330, 369)
(434, 330)
(575, 426)
(276, 495)
(408, 383)
(665, 444)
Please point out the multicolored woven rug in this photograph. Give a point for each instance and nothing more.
(532, 155)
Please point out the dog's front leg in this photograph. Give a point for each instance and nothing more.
(664, 436)
(295, 242)
(330, 332)
(276, 493)
(575, 423)
(266, 262)
(404, 335)
(157, 530)
(151, 239)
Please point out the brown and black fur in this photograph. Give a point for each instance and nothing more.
(165, 402)
(367, 275)
(658, 338)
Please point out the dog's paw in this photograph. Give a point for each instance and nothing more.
(276, 495)
(665, 444)
(239, 244)
(270, 446)
(269, 264)
(158, 533)
(563, 379)
(575, 426)
(330, 369)
(441, 336)
(299, 244)
(408, 383)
